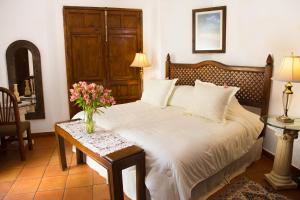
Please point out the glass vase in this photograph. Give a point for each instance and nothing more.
(89, 122)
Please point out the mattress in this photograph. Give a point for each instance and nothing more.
(181, 150)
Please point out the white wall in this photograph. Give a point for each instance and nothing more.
(41, 22)
(34, 20)
(255, 28)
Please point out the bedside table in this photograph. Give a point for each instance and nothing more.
(280, 177)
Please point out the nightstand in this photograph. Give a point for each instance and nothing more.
(280, 177)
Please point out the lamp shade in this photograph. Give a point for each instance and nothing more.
(289, 70)
(140, 60)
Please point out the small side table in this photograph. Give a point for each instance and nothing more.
(280, 176)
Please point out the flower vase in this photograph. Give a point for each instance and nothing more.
(89, 122)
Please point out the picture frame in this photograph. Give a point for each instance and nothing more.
(209, 30)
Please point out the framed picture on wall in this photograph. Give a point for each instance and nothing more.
(209, 30)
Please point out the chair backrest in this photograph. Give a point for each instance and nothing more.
(9, 111)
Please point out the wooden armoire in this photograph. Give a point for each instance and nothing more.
(100, 45)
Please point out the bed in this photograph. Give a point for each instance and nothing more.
(188, 157)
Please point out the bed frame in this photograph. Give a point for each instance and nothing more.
(254, 82)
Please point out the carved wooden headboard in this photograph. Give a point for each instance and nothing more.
(254, 82)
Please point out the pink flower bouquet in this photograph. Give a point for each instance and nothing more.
(90, 97)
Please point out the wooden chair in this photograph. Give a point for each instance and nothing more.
(10, 124)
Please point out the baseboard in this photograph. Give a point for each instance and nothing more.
(295, 170)
(42, 134)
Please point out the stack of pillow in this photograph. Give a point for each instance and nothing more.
(205, 100)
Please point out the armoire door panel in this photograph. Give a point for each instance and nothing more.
(119, 66)
(123, 19)
(85, 46)
(114, 20)
(85, 19)
(124, 38)
(130, 20)
(100, 46)
(125, 92)
(132, 82)
(88, 57)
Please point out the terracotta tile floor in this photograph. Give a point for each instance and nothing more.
(40, 176)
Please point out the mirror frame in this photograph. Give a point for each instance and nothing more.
(11, 72)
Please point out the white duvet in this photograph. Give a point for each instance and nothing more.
(181, 150)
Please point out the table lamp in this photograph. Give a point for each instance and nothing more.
(141, 61)
(289, 72)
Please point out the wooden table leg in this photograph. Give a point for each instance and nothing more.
(140, 178)
(80, 157)
(115, 183)
(62, 152)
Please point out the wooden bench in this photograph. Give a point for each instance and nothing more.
(114, 163)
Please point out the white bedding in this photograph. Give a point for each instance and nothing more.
(181, 150)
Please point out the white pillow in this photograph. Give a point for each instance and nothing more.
(204, 83)
(158, 92)
(233, 103)
(211, 101)
(181, 96)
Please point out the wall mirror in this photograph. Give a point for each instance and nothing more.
(25, 78)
